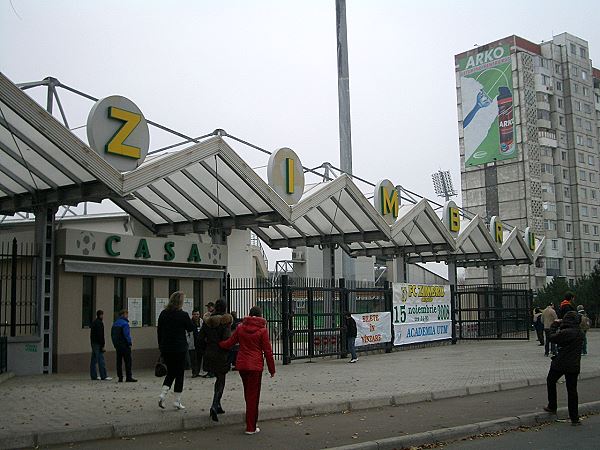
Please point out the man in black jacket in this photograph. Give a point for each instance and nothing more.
(97, 341)
(351, 332)
(567, 335)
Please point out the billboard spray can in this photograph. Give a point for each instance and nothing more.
(505, 120)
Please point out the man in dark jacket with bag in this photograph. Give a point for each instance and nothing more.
(97, 342)
(567, 335)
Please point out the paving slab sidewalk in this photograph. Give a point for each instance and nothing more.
(66, 408)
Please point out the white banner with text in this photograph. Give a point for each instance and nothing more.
(421, 313)
(373, 328)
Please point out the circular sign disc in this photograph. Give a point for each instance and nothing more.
(286, 175)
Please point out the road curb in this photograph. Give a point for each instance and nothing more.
(199, 421)
(464, 431)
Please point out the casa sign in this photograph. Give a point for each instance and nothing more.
(118, 131)
(93, 244)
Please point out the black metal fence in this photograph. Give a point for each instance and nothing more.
(18, 306)
(3, 354)
(493, 312)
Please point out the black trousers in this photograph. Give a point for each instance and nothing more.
(549, 346)
(219, 388)
(175, 362)
(124, 354)
(194, 364)
(573, 400)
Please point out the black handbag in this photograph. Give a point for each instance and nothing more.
(160, 369)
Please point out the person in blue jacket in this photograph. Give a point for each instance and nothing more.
(121, 338)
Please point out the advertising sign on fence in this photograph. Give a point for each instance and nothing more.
(373, 328)
(421, 313)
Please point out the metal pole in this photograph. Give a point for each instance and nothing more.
(13, 290)
(344, 112)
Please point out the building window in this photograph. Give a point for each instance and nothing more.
(586, 92)
(554, 244)
(582, 52)
(553, 263)
(547, 187)
(561, 120)
(557, 68)
(583, 75)
(543, 114)
(561, 103)
(567, 210)
(590, 143)
(173, 285)
(593, 191)
(88, 301)
(578, 121)
(549, 224)
(570, 264)
(591, 160)
(198, 298)
(596, 247)
(586, 228)
(592, 177)
(563, 138)
(563, 156)
(595, 228)
(119, 296)
(584, 211)
(588, 265)
(567, 191)
(594, 212)
(547, 168)
(576, 90)
(584, 193)
(569, 246)
(586, 246)
(565, 174)
(545, 82)
(582, 175)
(147, 296)
(579, 139)
(588, 125)
(573, 48)
(581, 157)
(577, 103)
(587, 107)
(559, 85)
(568, 227)
(549, 206)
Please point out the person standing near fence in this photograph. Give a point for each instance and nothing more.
(216, 328)
(567, 334)
(568, 304)
(548, 318)
(538, 325)
(97, 341)
(253, 339)
(351, 333)
(585, 326)
(173, 325)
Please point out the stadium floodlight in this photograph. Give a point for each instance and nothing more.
(442, 184)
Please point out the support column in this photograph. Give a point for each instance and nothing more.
(400, 270)
(44, 239)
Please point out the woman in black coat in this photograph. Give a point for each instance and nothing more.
(216, 328)
(173, 325)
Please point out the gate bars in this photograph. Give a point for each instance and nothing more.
(305, 315)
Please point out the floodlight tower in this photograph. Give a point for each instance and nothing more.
(442, 183)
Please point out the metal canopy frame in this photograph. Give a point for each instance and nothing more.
(208, 186)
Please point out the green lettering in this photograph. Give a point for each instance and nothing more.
(194, 255)
(169, 252)
(109, 243)
(142, 250)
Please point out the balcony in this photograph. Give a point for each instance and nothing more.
(547, 138)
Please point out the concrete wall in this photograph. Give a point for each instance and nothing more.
(312, 267)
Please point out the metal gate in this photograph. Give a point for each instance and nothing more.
(493, 312)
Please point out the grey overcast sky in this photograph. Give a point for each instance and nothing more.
(266, 70)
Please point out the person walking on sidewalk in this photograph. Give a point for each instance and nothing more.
(585, 326)
(567, 304)
(567, 334)
(351, 333)
(253, 339)
(548, 318)
(193, 347)
(538, 325)
(216, 328)
(97, 341)
(172, 328)
(121, 338)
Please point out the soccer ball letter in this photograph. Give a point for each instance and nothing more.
(421, 313)
(373, 328)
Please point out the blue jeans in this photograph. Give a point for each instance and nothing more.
(351, 346)
(97, 358)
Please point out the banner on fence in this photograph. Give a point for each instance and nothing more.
(373, 328)
(421, 313)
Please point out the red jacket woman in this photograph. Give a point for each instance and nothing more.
(253, 337)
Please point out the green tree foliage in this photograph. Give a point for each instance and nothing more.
(553, 292)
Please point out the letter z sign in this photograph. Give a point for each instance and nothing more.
(117, 144)
(118, 132)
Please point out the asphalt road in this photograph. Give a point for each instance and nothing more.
(547, 437)
(341, 429)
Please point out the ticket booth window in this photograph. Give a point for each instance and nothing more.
(198, 300)
(147, 295)
(119, 297)
(88, 301)
(173, 285)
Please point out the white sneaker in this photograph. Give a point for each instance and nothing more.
(354, 360)
(107, 379)
(98, 378)
(253, 432)
(178, 405)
